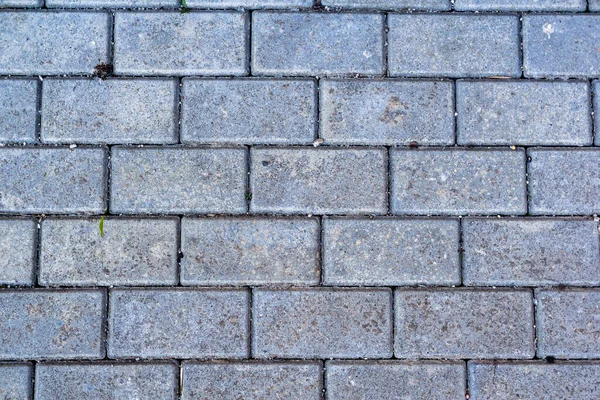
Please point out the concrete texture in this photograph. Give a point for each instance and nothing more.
(18, 109)
(520, 5)
(15, 381)
(18, 241)
(430, 5)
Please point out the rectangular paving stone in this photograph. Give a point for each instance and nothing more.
(178, 323)
(15, 381)
(384, 380)
(520, 5)
(112, 3)
(464, 323)
(52, 180)
(499, 380)
(45, 324)
(248, 111)
(312, 44)
(594, 5)
(130, 252)
(458, 181)
(596, 107)
(252, 380)
(54, 43)
(107, 381)
(18, 110)
(431, 5)
(322, 323)
(109, 111)
(172, 43)
(567, 323)
(178, 180)
(390, 252)
(560, 46)
(530, 252)
(18, 247)
(249, 251)
(20, 3)
(318, 181)
(453, 45)
(387, 112)
(523, 112)
(564, 181)
(250, 4)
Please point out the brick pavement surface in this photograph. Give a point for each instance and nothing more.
(294, 199)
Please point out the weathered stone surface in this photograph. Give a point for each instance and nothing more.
(112, 3)
(519, 5)
(15, 381)
(250, 4)
(18, 110)
(431, 5)
(17, 251)
(20, 3)
(596, 95)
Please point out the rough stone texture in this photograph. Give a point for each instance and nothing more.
(356, 380)
(130, 252)
(252, 381)
(390, 252)
(180, 323)
(249, 251)
(248, 111)
(17, 251)
(112, 3)
(51, 324)
(52, 180)
(178, 180)
(594, 5)
(567, 323)
(33, 43)
(564, 181)
(317, 44)
(387, 112)
(103, 381)
(18, 110)
(431, 5)
(596, 106)
(523, 113)
(322, 323)
(172, 43)
(319, 181)
(20, 3)
(453, 45)
(521, 252)
(561, 46)
(533, 381)
(465, 323)
(15, 381)
(250, 4)
(520, 5)
(109, 111)
(461, 181)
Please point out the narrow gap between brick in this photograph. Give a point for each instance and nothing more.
(386, 46)
(535, 331)
(180, 254)
(461, 251)
(388, 170)
(317, 132)
(321, 249)
(38, 252)
(249, 43)
(455, 108)
(38, 115)
(592, 111)
(324, 379)
(179, 387)
(111, 59)
(248, 193)
(105, 323)
(393, 321)
(178, 107)
(250, 323)
(108, 172)
(527, 181)
(521, 52)
(34, 366)
(467, 388)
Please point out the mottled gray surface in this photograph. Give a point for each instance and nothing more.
(15, 381)
(437, 5)
(17, 251)
(109, 111)
(250, 4)
(387, 112)
(322, 323)
(249, 251)
(520, 5)
(390, 252)
(320, 181)
(18, 110)
(596, 105)
(20, 3)
(111, 3)
(317, 44)
(248, 111)
(594, 5)
(523, 113)
(172, 43)
(252, 381)
(178, 323)
(464, 323)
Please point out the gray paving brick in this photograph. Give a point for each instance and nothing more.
(20, 3)
(46, 324)
(322, 323)
(178, 180)
(192, 323)
(109, 111)
(564, 181)
(387, 112)
(390, 252)
(465, 323)
(530, 252)
(17, 251)
(251, 4)
(130, 252)
(533, 380)
(172, 43)
(317, 44)
(52, 180)
(432, 5)
(53, 43)
(453, 45)
(248, 111)
(18, 110)
(561, 46)
(594, 5)
(520, 5)
(249, 251)
(461, 181)
(252, 381)
(104, 381)
(596, 107)
(15, 381)
(112, 3)
(567, 323)
(523, 113)
(320, 181)
(355, 380)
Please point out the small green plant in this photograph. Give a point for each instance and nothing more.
(101, 226)
(184, 7)
(248, 196)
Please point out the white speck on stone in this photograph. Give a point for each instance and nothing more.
(367, 54)
(318, 142)
(72, 146)
(548, 29)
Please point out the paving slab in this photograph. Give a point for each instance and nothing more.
(18, 248)
(16, 381)
(18, 110)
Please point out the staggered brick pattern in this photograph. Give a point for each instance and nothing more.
(298, 199)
